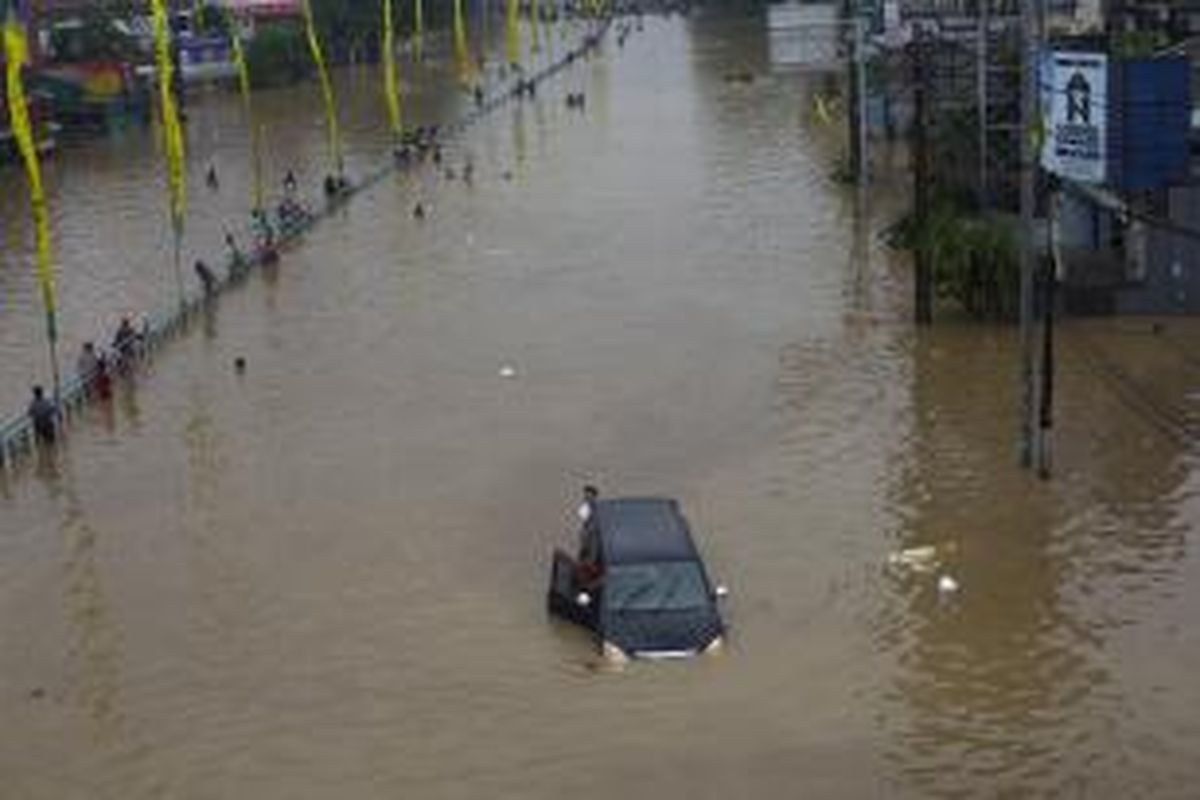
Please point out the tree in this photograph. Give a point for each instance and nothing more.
(277, 54)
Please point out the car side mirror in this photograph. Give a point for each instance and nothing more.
(721, 591)
(583, 599)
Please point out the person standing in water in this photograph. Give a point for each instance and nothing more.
(43, 414)
(208, 280)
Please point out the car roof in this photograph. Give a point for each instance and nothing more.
(642, 529)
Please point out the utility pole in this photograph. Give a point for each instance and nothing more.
(850, 37)
(1030, 45)
(860, 75)
(854, 29)
(1046, 388)
(981, 92)
(922, 269)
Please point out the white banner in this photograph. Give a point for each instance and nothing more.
(1075, 115)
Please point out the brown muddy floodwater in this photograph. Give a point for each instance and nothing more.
(325, 578)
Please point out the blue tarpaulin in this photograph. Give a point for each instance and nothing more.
(1149, 121)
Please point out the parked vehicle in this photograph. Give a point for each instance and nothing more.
(638, 583)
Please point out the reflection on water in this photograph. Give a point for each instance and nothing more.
(93, 657)
(1015, 676)
(325, 576)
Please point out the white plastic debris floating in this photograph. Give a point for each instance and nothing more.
(508, 371)
(918, 559)
(947, 585)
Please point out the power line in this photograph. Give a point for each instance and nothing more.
(1124, 210)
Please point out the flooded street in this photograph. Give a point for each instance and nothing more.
(326, 577)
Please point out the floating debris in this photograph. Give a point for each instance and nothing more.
(947, 585)
(918, 559)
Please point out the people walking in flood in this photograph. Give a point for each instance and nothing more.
(137, 338)
(237, 260)
(291, 214)
(208, 279)
(102, 378)
(87, 364)
(125, 341)
(43, 415)
(264, 234)
(335, 185)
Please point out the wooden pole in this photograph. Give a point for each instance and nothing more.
(922, 272)
(1029, 110)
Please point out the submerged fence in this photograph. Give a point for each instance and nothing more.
(17, 438)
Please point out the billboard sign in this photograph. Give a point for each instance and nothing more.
(1075, 115)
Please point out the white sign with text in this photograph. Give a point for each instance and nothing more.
(1075, 115)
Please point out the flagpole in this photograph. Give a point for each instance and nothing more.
(177, 228)
(173, 146)
(16, 50)
(52, 346)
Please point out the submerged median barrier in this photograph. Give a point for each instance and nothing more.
(17, 437)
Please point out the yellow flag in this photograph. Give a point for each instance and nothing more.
(461, 57)
(512, 33)
(821, 110)
(243, 71)
(534, 44)
(418, 29)
(172, 133)
(314, 46)
(16, 56)
(390, 91)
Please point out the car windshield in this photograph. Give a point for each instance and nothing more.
(663, 586)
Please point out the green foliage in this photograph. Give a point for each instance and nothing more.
(349, 23)
(95, 38)
(1138, 44)
(211, 20)
(278, 54)
(842, 172)
(974, 259)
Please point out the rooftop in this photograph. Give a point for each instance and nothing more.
(635, 529)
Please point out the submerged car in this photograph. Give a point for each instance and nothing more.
(638, 582)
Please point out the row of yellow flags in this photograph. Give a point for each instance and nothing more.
(17, 56)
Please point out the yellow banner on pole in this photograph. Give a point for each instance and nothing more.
(16, 51)
(462, 58)
(390, 89)
(512, 33)
(418, 29)
(243, 71)
(534, 44)
(314, 47)
(172, 133)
